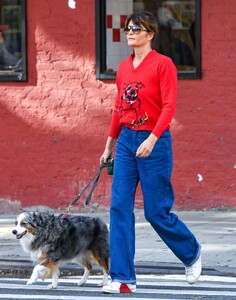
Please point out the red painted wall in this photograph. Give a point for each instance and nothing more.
(205, 140)
(54, 127)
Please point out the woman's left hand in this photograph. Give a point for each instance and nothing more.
(146, 147)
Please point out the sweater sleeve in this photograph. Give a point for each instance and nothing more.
(167, 74)
(116, 126)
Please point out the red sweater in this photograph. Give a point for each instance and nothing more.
(146, 97)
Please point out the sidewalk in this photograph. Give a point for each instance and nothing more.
(215, 230)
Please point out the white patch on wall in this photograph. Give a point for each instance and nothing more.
(200, 178)
(72, 4)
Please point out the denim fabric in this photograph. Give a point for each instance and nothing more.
(154, 174)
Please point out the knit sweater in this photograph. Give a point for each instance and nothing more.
(146, 97)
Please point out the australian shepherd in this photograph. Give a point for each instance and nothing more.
(53, 239)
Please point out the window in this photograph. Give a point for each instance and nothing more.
(12, 40)
(179, 34)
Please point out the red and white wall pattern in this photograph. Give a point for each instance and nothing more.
(117, 49)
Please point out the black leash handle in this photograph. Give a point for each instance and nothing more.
(94, 179)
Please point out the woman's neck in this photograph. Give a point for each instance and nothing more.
(140, 54)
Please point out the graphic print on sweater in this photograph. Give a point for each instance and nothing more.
(132, 105)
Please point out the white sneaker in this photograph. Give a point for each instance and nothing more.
(193, 272)
(119, 288)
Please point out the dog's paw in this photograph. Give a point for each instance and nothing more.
(31, 281)
(52, 287)
(81, 283)
(100, 284)
(104, 281)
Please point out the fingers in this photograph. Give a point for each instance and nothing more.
(142, 152)
(105, 157)
(144, 149)
(103, 160)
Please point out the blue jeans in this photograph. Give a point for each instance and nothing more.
(154, 175)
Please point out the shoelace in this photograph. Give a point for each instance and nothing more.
(189, 270)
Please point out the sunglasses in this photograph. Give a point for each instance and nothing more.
(135, 28)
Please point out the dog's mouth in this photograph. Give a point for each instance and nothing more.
(19, 236)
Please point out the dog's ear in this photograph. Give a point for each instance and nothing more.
(37, 219)
(31, 219)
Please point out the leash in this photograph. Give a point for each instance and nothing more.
(94, 179)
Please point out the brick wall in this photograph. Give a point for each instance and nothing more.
(205, 144)
(54, 127)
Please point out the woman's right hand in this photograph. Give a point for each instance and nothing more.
(108, 150)
(105, 156)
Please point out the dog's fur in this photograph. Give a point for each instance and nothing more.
(51, 239)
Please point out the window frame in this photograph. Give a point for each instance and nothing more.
(19, 76)
(101, 53)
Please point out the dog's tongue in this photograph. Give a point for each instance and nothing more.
(19, 236)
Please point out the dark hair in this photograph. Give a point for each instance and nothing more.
(147, 20)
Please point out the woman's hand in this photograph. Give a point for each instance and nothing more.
(108, 150)
(146, 147)
(105, 156)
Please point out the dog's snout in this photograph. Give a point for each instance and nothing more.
(14, 231)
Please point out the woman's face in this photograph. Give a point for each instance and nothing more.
(137, 36)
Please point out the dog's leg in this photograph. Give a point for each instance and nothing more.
(104, 265)
(55, 277)
(105, 278)
(53, 272)
(84, 277)
(38, 272)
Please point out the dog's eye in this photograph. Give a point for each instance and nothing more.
(23, 224)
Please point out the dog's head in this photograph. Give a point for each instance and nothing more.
(131, 92)
(23, 226)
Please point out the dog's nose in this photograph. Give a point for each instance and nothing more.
(14, 231)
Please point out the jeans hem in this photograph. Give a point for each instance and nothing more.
(124, 281)
(196, 257)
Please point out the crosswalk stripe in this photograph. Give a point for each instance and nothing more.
(148, 287)
(146, 278)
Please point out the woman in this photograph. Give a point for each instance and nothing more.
(144, 108)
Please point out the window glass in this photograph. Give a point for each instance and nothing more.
(179, 33)
(12, 40)
(176, 31)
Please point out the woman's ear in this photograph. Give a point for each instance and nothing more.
(151, 35)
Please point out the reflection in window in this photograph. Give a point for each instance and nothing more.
(176, 39)
(12, 40)
(179, 36)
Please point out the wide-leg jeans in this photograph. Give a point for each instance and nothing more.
(154, 175)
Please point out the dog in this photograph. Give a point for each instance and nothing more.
(53, 239)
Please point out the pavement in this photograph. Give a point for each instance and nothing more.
(214, 229)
